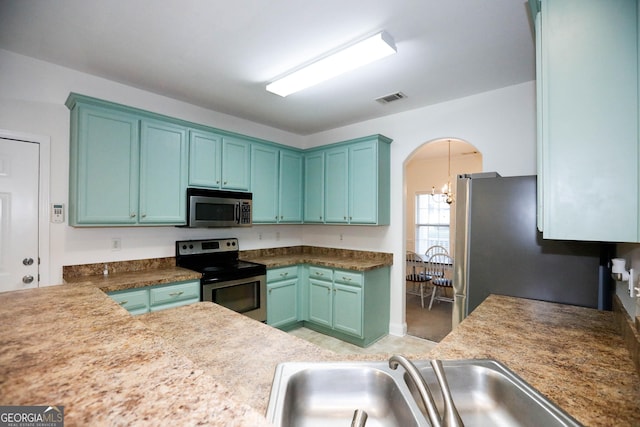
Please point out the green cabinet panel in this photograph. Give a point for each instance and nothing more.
(320, 302)
(135, 301)
(236, 155)
(157, 297)
(205, 150)
(363, 191)
(163, 173)
(264, 183)
(347, 309)
(162, 297)
(336, 185)
(314, 187)
(276, 184)
(587, 52)
(283, 297)
(290, 187)
(104, 167)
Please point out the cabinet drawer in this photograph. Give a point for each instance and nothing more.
(276, 274)
(348, 278)
(175, 293)
(135, 302)
(320, 273)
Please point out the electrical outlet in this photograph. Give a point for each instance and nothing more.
(277, 235)
(259, 236)
(341, 237)
(116, 244)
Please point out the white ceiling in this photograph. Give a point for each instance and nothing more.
(220, 54)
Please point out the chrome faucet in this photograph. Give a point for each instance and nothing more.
(451, 417)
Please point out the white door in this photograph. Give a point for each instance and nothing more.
(18, 214)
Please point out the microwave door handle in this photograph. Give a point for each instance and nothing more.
(237, 213)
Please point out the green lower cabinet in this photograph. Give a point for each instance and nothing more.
(320, 302)
(135, 301)
(350, 305)
(158, 297)
(283, 298)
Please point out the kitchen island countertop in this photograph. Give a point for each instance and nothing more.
(73, 346)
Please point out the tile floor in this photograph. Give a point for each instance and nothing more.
(388, 344)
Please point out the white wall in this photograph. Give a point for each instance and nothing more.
(501, 124)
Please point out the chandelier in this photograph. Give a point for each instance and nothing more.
(446, 193)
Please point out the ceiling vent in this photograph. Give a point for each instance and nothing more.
(392, 97)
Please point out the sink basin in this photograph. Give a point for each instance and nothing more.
(326, 394)
(486, 393)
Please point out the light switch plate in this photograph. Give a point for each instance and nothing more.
(57, 213)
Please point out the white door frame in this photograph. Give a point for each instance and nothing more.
(44, 188)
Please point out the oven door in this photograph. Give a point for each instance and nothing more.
(247, 296)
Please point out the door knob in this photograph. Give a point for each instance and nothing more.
(27, 279)
(27, 261)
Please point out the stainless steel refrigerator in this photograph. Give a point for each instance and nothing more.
(498, 249)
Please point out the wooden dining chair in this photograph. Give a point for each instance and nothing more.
(416, 276)
(435, 249)
(440, 269)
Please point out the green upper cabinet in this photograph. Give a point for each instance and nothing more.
(336, 185)
(163, 173)
(218, 161)
(130, 167)
(314, 187)
(205, 159)
(264, 183)
(588, 156)
(236, 156)
(357, 182)
(290, 192)
(125, 170)
(276, 184)
(104, 167)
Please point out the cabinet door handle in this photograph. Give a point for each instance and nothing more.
(346, 279)
(123, 302)
(284, 274)
(176, 294)
(224, 183)
(144, 215)
(133, 215)
(270, 290)
(319, 274)
(328, 291)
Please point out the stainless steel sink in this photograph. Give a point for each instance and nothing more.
(485, 393)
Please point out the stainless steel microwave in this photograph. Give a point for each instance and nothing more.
(218, 208)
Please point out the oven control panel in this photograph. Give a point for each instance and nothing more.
(209, 246)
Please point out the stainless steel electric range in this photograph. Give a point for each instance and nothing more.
(226, 280)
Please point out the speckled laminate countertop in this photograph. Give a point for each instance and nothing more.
(74, 346)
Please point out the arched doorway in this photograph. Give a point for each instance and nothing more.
(430, 219)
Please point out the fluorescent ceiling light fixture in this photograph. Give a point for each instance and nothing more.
(347, 59)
